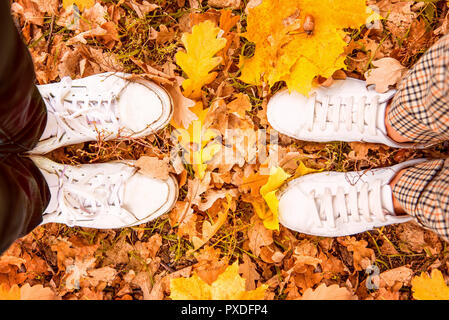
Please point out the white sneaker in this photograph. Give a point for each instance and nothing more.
(334, 204)
(105, 105)
(347, 111)
(104, 196)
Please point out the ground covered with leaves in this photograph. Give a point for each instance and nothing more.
(222, 60)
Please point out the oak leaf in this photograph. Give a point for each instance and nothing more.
(258, 235)
(249, 272)
(430, 288)
(388, 72)
(323, 292)
(228, 286)
(27, 292)
(198, 61)
(198, 141)
(240, 105)
(153, 167)
(182, 115)
(363, 257)
(401, 275)
(209, 229)
(210, 264)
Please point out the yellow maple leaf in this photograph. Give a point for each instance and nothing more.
(430, 288)
(199, 59)
(81, 4)
(285, 52)
(228, 286)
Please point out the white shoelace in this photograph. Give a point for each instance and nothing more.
(82, 200)
(352, 206)
(341, 111)
(87, 117)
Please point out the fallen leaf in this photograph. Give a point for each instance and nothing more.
(198, 61)
(258, 235)
(414, 238)
(323, 292)
(232, 4)
(285, 52)
(12, 293)
(363, 257)
(37, 292)
(153, 167)
(430, 288)
(209, 229)
(81, 4)
(388, 72)
(240, 105)
(198, 142)
(142, 8)
(182, 216)
(210, 264)
(228, 286)
(401, 274)
(163, 35)
(27, 292)
(268, 191)
(249, 273)
(105, 274)
(182, 115)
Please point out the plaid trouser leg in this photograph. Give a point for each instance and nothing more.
(423, 191)
(420, 109)
(420, 113)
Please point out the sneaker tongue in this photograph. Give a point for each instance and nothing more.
(51, 127)
(386, 99)
(53, 185)
(381, 118)
(387, 199)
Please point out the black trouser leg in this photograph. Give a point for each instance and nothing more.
(24, 193)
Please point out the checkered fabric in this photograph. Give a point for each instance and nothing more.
(420, 112)
(423, 191)
(420, 109)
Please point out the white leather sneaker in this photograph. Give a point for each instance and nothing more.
(347, 111)
(104, 105)
(104, 196)
(335, 204)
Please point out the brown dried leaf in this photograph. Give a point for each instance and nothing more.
(249, 272)
(37, 292)
(388, 72)
(401, 274)
(258, 235)
(153, 167)
(333, 292)
(363, 257)
(232, 4)
(210, 265)
(182, 115)
(142, 8)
